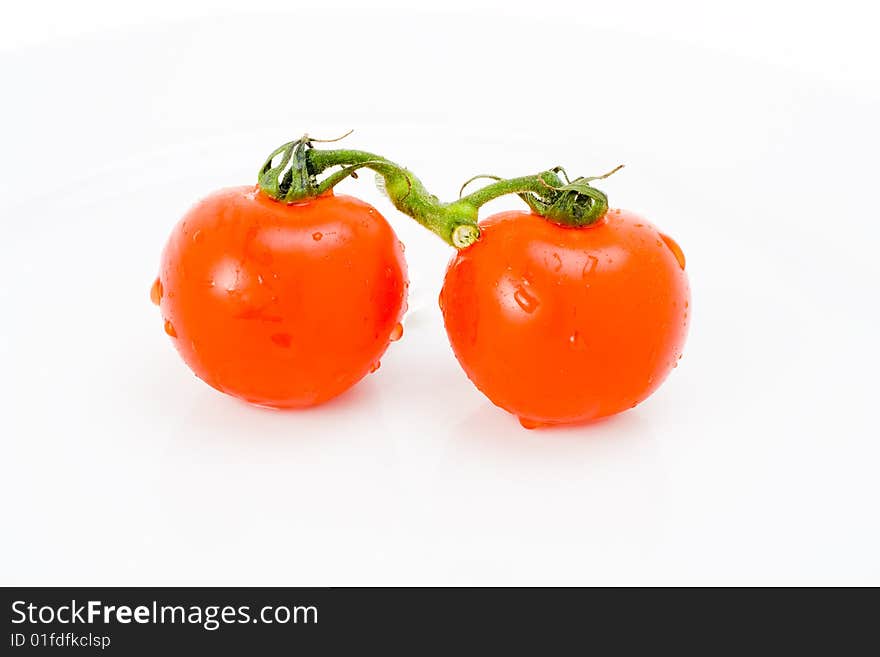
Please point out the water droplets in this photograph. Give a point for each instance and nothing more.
(577, 341)
(197, 236)
(375, 366)
(589, 266)
(396, 332)
(675, 248)
(317, 236)
(525, 298)
(156, 291)
(169, 329)
(557, 262)
(529, 423)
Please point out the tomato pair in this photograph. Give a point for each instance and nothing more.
(287, 296)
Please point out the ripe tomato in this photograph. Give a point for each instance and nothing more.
(281, 305)
(559, 324)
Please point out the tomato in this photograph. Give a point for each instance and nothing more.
(282, 305)
(558, 324)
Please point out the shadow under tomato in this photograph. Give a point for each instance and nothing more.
(597, 427)
(361, 393)
(184, 406)
(490, 430)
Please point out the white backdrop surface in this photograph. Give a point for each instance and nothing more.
(753, 143)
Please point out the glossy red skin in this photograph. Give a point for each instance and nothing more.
(282, 305)
(559, 325)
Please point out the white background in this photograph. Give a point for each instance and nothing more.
(750, 134)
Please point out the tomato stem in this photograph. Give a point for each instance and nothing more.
(455, 223)
(290, 174)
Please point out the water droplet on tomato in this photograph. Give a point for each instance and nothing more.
(557, 262)
(317, 236)
(375, 366)
(401, 245)
(577, 341)
(197, 235)
(396, 332)
(526, 300)
(589, 266)
(156, 291)
(530, 424)
(169, 329)
(675, 248)
(281, 339)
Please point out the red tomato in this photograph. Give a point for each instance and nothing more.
(560, 324)
(282, 305)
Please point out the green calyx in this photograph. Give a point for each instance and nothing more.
(576, 203)
(291, 172)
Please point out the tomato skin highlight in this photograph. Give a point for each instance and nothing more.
(560, 325)
(281, 305)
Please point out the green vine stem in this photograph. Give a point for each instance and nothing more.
(294, 178)
(455, 223)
